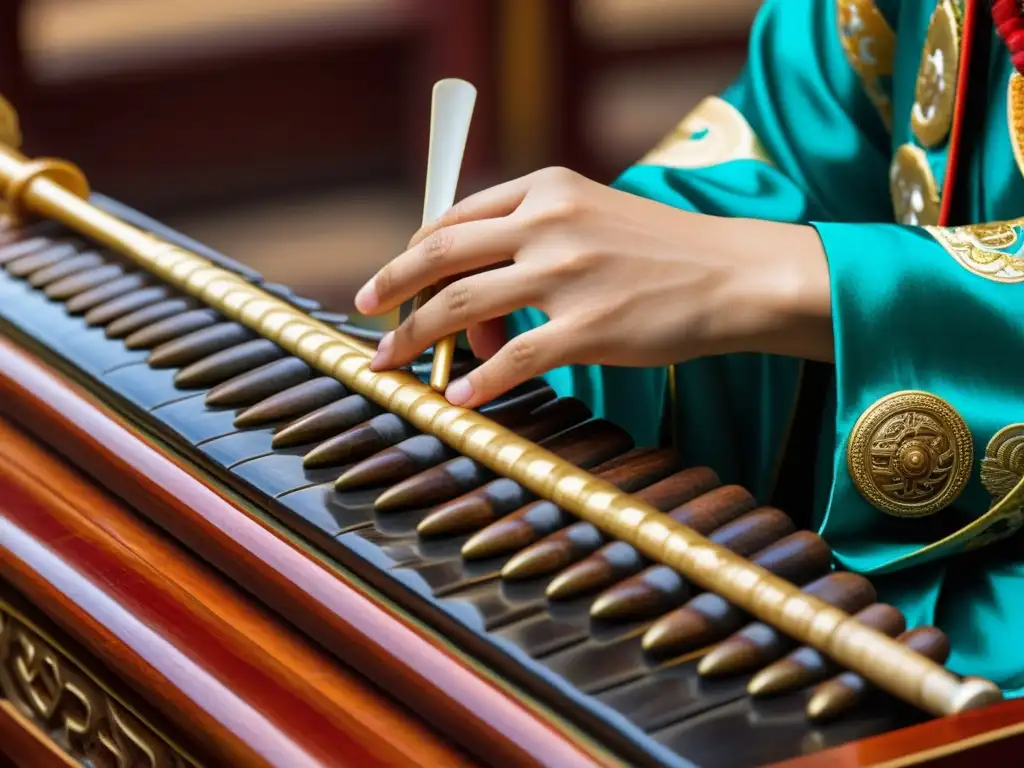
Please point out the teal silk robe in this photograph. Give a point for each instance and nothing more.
(851, 116)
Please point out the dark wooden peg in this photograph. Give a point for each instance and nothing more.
(293, 402)
(327, 421)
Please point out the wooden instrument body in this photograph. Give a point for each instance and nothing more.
(162, 618)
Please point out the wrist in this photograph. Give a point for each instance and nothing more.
(786, 283)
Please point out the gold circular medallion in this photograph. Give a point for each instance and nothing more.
(870, 45)
(915, 194)
(910, 454)
(1015, 117)
(935, 95)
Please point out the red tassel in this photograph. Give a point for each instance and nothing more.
(1008, 16)
(1004, 9)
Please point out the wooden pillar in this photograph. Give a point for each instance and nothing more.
(458, 41)
(532, 81)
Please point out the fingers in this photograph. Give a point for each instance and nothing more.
(521, 359)
(463, 304)
(493, 203)
(447, 252)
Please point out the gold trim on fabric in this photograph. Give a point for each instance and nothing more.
(931, 117)
(76, 712)
(910, 454)
(994, 250)
(870, 44)
(807, 619)
(915, 194)
(1015, 117)
(715, 132)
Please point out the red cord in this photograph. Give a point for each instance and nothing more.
(959, 112)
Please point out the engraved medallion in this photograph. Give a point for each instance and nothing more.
(935, 96)
(915, 194)
(1015, 117)
(1002, 470)
(910, 454)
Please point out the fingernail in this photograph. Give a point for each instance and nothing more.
(459, 392)
(383, 356)
(366, 298)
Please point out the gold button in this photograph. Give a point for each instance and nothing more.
(935, 95)
(910, 454)
(915, 195)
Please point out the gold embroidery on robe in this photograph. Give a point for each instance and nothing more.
(869, 43)
(715, 132)
(994, 250)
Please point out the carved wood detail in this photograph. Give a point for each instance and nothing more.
(78, 713)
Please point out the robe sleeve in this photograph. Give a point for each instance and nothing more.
(929, 317)
(800, 136)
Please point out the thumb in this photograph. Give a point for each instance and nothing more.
(530, 354)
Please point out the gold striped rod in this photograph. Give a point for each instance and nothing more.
(57, 190)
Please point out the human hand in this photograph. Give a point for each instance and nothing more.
(624, 280)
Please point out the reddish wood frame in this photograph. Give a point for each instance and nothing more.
(79, 526)
(368, 635)
(208, 658)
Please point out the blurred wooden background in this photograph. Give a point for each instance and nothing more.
(292, 133)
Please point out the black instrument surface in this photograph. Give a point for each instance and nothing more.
(594, 672)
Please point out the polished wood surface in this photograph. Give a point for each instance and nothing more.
(23, 745)
(247, 690)
(369, 635)
(995, 734)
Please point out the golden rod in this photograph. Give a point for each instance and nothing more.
(441, 370)
(44, 187)
(444, 349)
